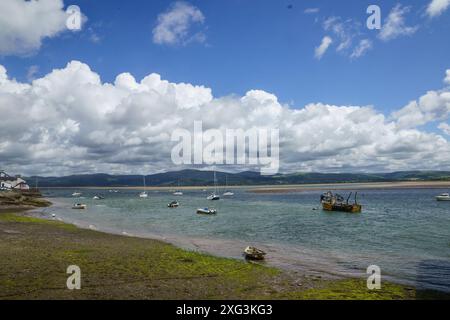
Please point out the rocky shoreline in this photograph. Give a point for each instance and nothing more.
(16, 200)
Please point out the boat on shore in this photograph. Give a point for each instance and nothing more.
(252, 253)
(335, 202)
(443, 197)
(79, 206)
(206, 211)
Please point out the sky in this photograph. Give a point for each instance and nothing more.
(106, 98)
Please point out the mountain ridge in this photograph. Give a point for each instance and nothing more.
(190, 177)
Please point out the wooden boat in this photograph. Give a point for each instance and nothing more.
(79, 206)
(173, 204)
(253, 253)
(207, 211)
(335, 202)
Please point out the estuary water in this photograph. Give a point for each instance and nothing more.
(405, 232)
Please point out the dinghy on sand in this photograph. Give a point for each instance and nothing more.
(253, 253)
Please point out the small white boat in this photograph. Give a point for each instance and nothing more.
(227, 193)
(143, 194)
(79, 206)
(76, 194)
(98, 198)
(173, 204)
(253, 253)
(443, 197)
(213, 196)
(178, 193)
(206, 211)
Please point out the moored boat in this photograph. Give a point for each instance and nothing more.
(335, 202)
(144, 193)
(76, 194)
(173, 204)
(206, 211)
(253, 253)
(214, 195)
(79, 206)
(443, 197)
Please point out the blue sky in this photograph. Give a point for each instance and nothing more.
(109, 97)
(257, 44)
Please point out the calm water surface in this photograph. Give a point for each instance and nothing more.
(405, 232)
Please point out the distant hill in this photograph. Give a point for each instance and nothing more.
(203, 178)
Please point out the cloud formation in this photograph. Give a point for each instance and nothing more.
(437, 7)
(311, 10)
(395, 24)
(363, 46)
(22, 27)
(69, 121)
(323, 47)
(445, 127)
(174, 27)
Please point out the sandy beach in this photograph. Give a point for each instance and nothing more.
(352, 186)
(288, 187)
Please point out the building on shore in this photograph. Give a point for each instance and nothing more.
(8, 182)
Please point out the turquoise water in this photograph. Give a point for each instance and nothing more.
(405, 232)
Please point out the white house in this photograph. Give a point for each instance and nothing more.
(9, 182)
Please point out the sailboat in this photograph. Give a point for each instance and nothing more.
(143, 194)
(178, 192)
(214, 195)
(227, 193)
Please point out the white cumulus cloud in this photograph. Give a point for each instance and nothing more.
(437, 7)
(24, 24)
(69, 121)
(175, 25)
(447, 77)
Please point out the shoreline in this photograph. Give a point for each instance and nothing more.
(96, 249)
(284, 188)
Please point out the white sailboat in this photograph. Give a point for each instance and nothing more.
(214, 195)
(178, 192)
(227, 193)
(143, 194)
